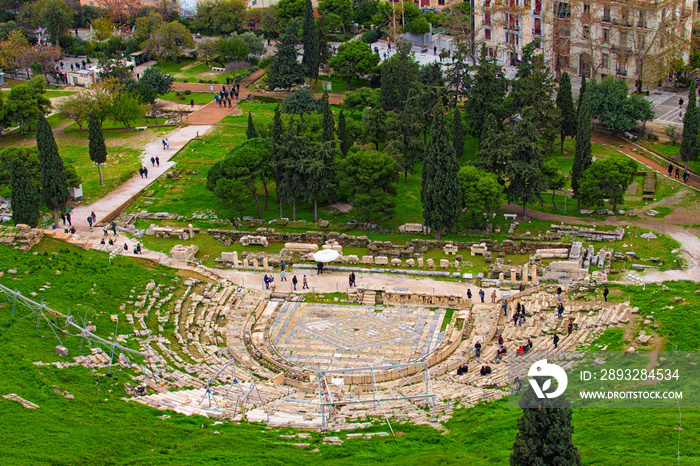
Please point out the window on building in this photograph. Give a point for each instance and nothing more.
(490, 52)
(538, 7)
(441, 2)
(641, 23)
(586, 8)
(92, 4)
(623, 39)
(586, 32)
(487, 34)
(562, 10)
(538, 27)
(487, 19)
(606, 35)
(606, 14)
(605, 62)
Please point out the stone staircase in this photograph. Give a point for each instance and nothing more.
(369, 298)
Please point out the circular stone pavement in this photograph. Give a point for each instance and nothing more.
(329, 336)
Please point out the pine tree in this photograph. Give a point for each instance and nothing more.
(526, 159)
(582, 155)
(689, 144)
(53, 176)
(250, 132)
(285, 70)
(458, 133)
(441, 193)
(309, 39)
(25, 199)
(328, 123)
(98, 150)
(544, 432)
(316, 168)
(493, 147)
(565, 104)
(343, 135)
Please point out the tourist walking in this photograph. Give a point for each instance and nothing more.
(294, 282)
(94, 217)
(305, 286)
(559, 293)
(570, 328)
(493, 296)
(477, 347)
(350, 280)
(481, 295)
(469, 294)
(283, 272)
(606, 292)
(145, 172)
(352, 275)
(114, 228)
(670, 169)
(500, 339)
(266, 280)
(560, 310)
(319, 266)
(505, 308)
(153, 161)
(678, 173)
(167, 143)
(556, 341)
(191, 103)
(157, 161)
(105, 231)
(89, 220)
(141, 172)
(63, 217)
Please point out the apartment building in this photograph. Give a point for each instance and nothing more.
(631, 39)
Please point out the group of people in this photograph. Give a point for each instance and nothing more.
(166, 144)
(92, 219)
(225, 95)
(155, 161)
(686, 173)
(143, 171)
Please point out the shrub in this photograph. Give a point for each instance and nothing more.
(371, 36)
(652, 137)
(265, 62)
(300, 102)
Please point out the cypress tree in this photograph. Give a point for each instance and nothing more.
(328, 123)
(565, 104)
(689, 144)
(98, 150)
(441, 193)
(582, 155)
(278, 155)
(250, 132)
(343, 135)
(544, 432)
(525, 161)
(309, 39)
(487, 92)
(581, 92)
(53, 175)
(458, 133)
(25, 199)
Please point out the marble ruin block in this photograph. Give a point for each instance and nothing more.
(534, 274)
(248, 240)
(526, 270)
(501, 277)
(420, 262)
(264, 263)
(411, 228)
(381, 260)
(184, 253)
(444, 263)
(430, 263)
(230, 257)
(367, 259)
(450, 249)
(479, 249)
(245, 262)
(61, 350)
(190, 229)
(410, 262)
(255, 263)
(352, 259)
(396, 262)
(513, 275)
(556, 253)
(302, 248)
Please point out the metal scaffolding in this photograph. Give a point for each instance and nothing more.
(328, 401)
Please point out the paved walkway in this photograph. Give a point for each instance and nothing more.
(105, 206)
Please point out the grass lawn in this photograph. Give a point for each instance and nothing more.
(189, 70)
(98, 427)
(198, 97)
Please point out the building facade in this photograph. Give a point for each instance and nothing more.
(631, 39)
